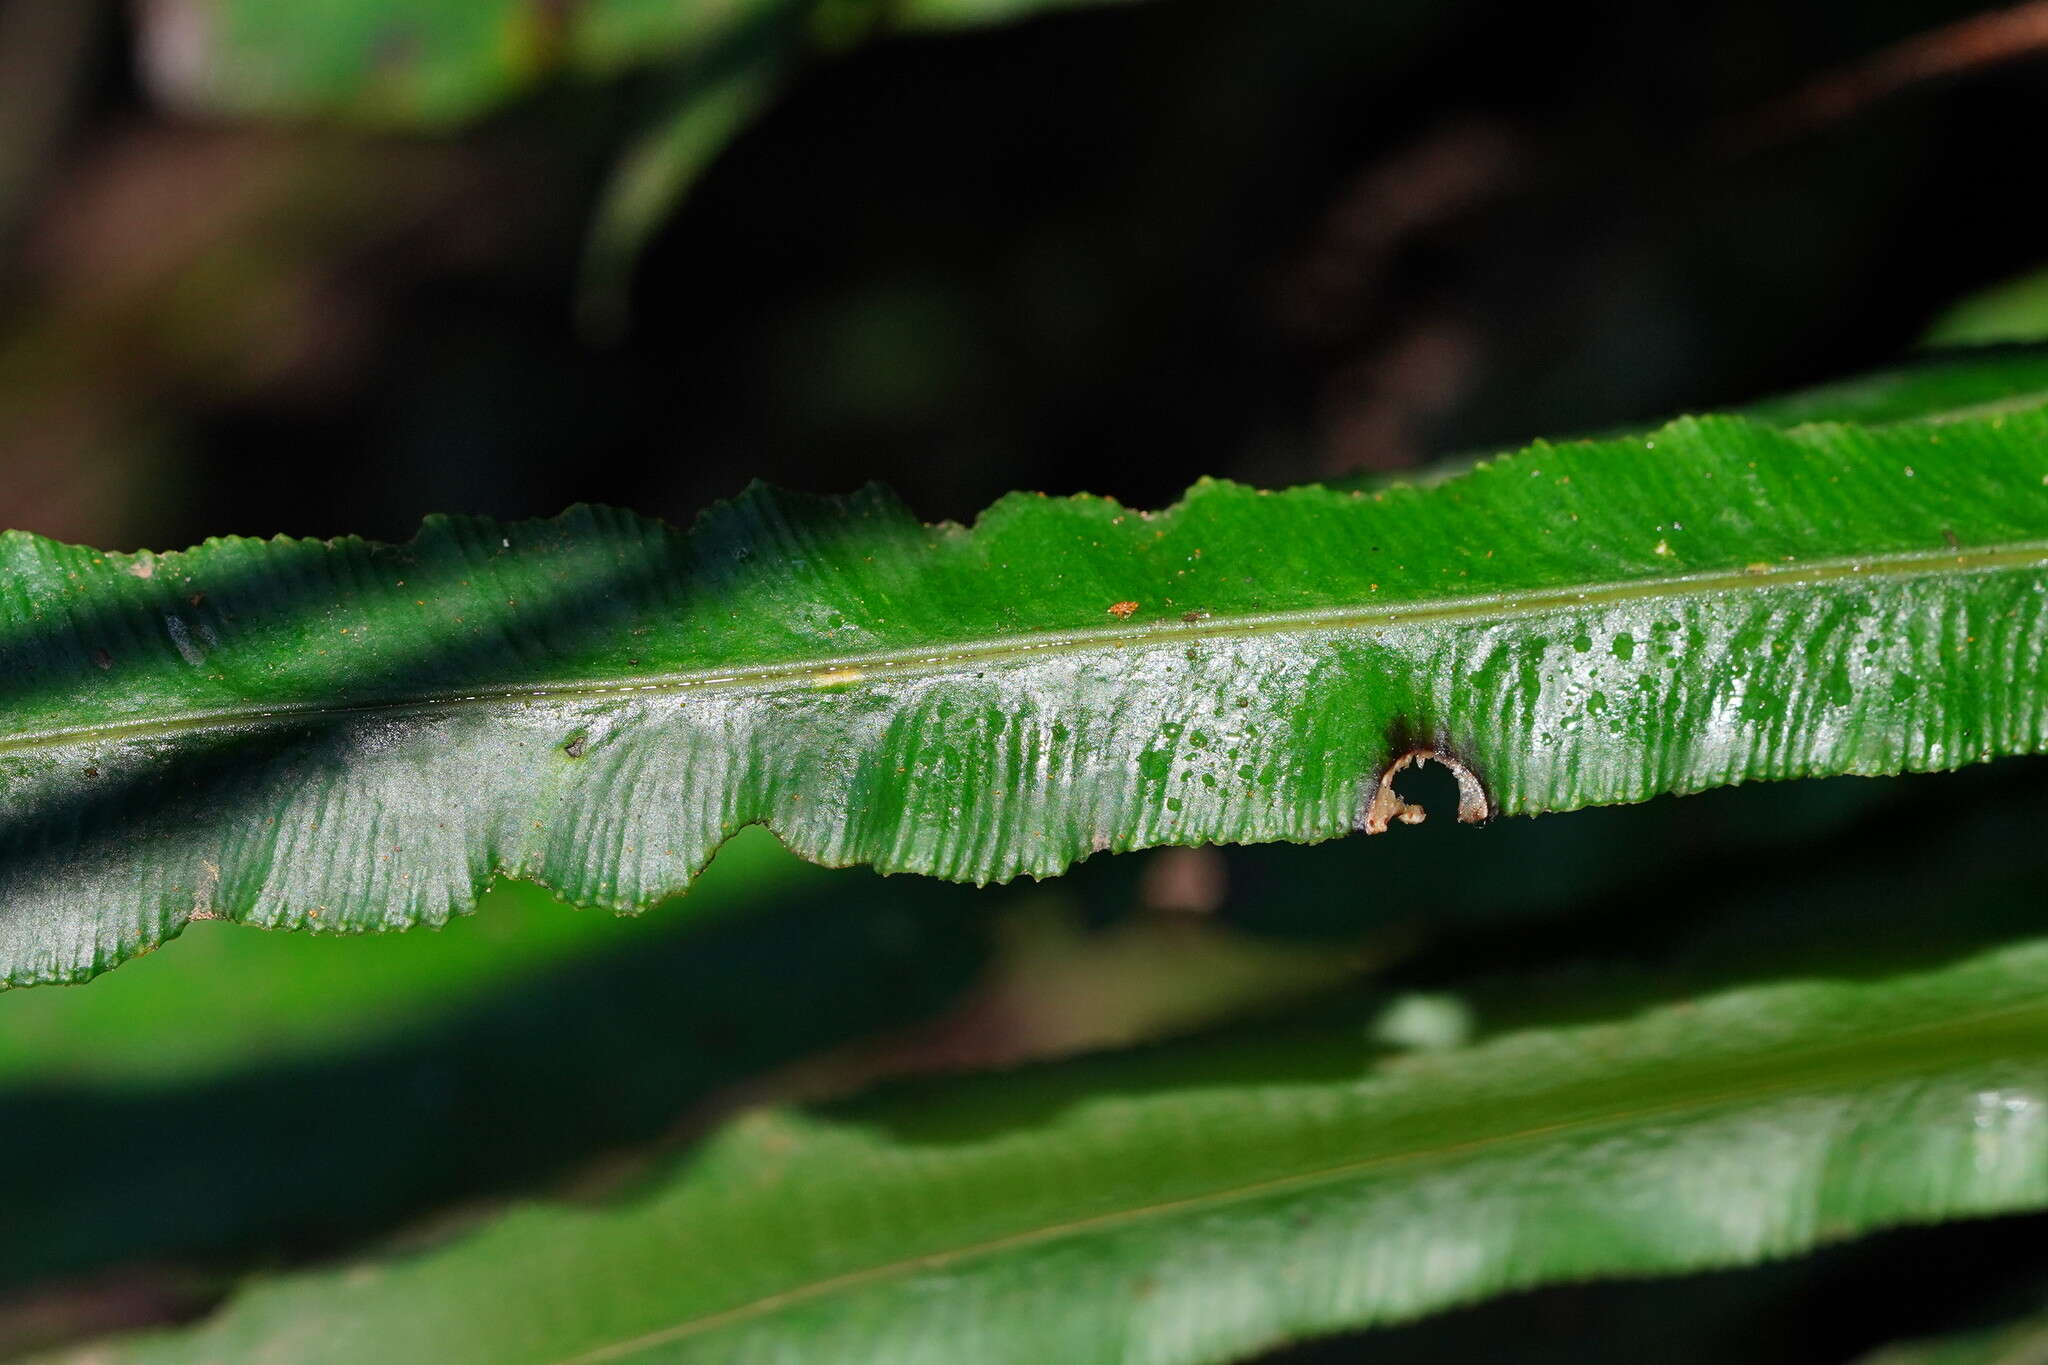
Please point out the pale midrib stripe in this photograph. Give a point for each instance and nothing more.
(909, 663)
(1232, 1194)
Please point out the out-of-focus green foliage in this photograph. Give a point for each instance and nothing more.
(438, 62)
(2016, 310)
(1940, 388)
(432, 63)
(2014, 1343)
(1360, 1163)
(503, 1057)
(707, 111)
(1934, 389)
(287, 1004)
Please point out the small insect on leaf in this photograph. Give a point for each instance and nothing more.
(1122, 610)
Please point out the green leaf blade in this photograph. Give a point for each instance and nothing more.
(354, 736)
(1164, 1203)
(2014, 1343)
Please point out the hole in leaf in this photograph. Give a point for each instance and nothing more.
(1420, 781)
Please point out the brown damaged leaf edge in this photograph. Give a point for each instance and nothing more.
(1387, 805)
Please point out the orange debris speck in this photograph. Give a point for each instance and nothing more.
(1122, 610)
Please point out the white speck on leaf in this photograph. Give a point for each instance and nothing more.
(180, 637)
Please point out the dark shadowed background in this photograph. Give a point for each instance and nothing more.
(1108, 249)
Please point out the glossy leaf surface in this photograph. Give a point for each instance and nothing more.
(1200, 1203)
(352, 736)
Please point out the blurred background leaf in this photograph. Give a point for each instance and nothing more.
(2017, 1343)
(438, 64)
(435, 62)
(2016, 310)
(1758, 1081)
(369, 1085)
(432, 63)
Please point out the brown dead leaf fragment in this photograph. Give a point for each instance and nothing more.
(1386, 805)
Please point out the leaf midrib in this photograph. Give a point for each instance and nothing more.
(847, 669)
(1813, 1076)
